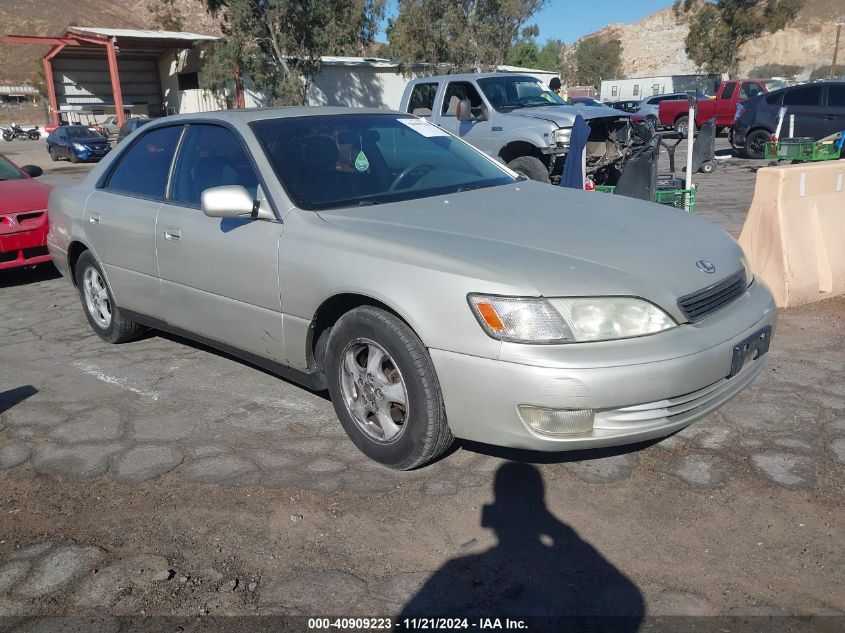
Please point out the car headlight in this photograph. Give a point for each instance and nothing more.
(567, 320)
(79, 147)
(749, 274)
(562, 136)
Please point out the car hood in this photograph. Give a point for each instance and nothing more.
(553, 241)
(90, 140)
(23, 195)
(564, 116)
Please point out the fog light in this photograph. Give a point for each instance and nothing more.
(557, 421)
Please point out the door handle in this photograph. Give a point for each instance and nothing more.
(94, 218)
(172, 234)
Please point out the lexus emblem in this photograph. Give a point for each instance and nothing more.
(706, 267)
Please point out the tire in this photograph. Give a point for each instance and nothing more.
(73, 157)
(682, 125)
(117, 329)
(655, 122)
(755, 144)
(53, 155)
(7, 136)
(34, 135)
(708, 168)
(530, 167)
(418, 433)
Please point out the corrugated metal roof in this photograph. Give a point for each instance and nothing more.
(142, 33)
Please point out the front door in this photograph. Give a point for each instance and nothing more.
(475, 133)
(219, 276)
(805, 103)
(120, 220)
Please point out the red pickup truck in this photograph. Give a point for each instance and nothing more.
(723, 107)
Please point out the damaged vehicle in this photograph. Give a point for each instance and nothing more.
(519, 121)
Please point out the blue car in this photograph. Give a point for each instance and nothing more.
(77, 143)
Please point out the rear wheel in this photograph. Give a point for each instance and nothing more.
(98, 304)
(384, 389)
(530, 167)
(755, 144)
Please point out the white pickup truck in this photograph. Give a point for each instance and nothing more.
(518, 120)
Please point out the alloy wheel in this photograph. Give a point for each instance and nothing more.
(374, 390)
(96, 297)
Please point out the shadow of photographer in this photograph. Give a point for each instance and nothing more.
(539, 568)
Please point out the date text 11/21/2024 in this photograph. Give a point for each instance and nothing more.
(416, 624)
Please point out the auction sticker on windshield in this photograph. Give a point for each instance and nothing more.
(423, 127)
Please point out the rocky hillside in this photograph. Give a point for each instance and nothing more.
(51, 17)
(655, 44)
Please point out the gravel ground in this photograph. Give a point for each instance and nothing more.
(162, 478)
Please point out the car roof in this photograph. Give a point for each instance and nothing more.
(248, 115)
(471, 76)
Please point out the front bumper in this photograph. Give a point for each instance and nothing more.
(633, 402)
(23, 239)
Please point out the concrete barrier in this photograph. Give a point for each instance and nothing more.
(794, 234)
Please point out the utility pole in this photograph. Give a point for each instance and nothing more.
(839, 24)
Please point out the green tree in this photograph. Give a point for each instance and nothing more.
(591, 60)
(473, 34)
(549, 56)
(279, 43)
(767, 71)
(823, 72)
(524, 53)
(719, 28)
(166, 15)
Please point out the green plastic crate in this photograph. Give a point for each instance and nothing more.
(805, 151)
(683, 199)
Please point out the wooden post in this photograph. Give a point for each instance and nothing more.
(115, 81)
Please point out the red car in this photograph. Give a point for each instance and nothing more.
(23, 215)
(723, 107)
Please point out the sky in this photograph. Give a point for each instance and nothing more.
(570, 19)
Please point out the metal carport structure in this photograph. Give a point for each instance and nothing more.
(77, 74)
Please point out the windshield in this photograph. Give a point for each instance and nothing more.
(507, 93)
(774, 84)
(79, 131)
(8, 171)
(586, 101)
(362, 159)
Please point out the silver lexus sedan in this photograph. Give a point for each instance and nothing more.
(433, 292)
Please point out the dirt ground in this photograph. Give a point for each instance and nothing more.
(161, 478)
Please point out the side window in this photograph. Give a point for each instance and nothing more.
(210, 156)
(455, 92)
(775, 98)
(614, 91)
(144, 167)
(803, 96)
(728, 90)
(749, 90)
(421, 102)
(836, 95)
(636, 89)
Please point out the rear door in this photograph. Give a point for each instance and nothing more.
(834, 115)
(726, 104)
(219, 276)
(805, 103)
(120, 219)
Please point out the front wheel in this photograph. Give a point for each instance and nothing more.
(73, 157)
(384, 389)
(34, 135)
(7, 136)
(98, 303)
(530, 167)
(682, 126)
(53, 154)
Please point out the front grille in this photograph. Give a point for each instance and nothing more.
(35, 251)
(701, 304)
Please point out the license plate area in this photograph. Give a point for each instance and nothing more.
(750, 348)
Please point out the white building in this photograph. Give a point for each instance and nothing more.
(642, 87)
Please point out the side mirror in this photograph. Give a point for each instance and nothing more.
(229, 201)
(33, 171)
(464, 111)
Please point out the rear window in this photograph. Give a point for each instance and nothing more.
(836, 96)
(803, 96)
(143, 169)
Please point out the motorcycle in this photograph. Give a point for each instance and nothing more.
(17, 132)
